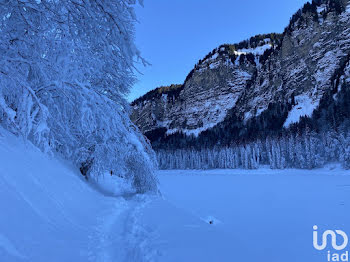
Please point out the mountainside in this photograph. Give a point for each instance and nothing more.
(210, 90)
(257, 87)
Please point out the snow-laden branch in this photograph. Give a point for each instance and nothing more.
(64, 70)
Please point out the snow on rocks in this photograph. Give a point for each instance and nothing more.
(304, 107)
(255, 51)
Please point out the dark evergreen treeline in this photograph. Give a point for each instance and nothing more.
(305, 150)
(258, 40)
(172, 91)
(298, 19)
(313, 141)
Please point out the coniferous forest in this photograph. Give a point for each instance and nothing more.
(312, 142)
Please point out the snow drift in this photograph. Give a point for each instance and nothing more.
(48, 211)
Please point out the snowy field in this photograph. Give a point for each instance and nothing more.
(263, 215)
(50, 213)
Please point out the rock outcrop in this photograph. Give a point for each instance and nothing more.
(245, 79)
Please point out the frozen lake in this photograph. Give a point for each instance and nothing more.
(259, 215)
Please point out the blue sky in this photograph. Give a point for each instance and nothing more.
(174, 34)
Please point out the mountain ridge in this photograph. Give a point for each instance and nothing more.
(279, 77)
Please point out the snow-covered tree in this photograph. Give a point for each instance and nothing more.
(65, 68)
(305, 150)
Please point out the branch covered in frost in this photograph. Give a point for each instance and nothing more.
(65, 68)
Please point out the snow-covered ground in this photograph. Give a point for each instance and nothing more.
(259, 215)
(50, 213)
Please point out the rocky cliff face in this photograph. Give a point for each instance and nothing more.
(210, 90)
(245, 79)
